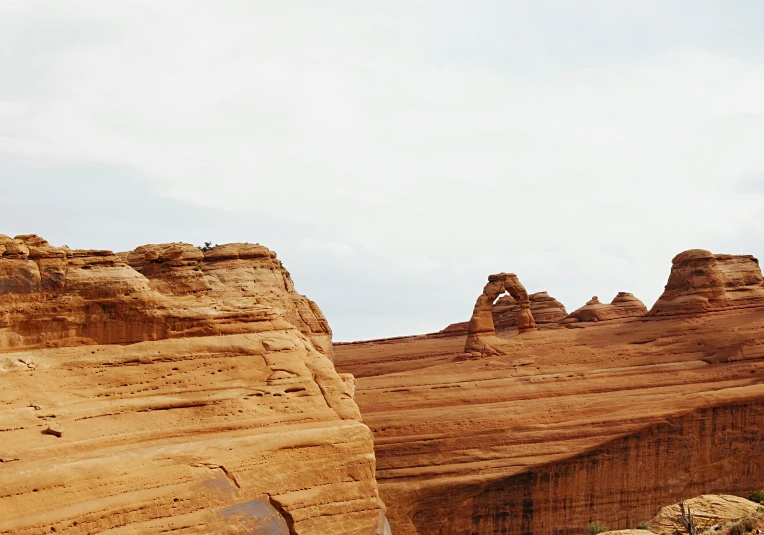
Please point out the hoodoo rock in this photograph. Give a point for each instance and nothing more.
(701, 281)
(481, 328)
(624, 305)
(171, 390)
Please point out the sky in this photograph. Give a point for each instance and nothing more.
(392, 153)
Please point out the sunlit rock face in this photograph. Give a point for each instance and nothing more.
(701, 281)
(171, 390)
(606, 422)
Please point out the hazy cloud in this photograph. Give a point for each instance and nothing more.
(412, 147)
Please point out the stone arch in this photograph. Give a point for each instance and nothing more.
(481, 322)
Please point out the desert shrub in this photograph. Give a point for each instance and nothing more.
(757, 496)
(743, 526)
(749, 523)
(760, 510)
(594, 528)
(642, 525)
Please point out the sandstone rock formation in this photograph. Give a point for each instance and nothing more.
(167, 390)
(708, 509)
(624, 305)
(68, 297)
(481, 329)
(701, 281)
(544, 308)
(565, 427)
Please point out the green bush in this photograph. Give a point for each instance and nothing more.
(757, 496)
(642, 525)
(594, 528)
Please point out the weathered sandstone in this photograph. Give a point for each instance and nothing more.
(166, 390)
(624, 305)
(544, 308)
(565, 426)
(481, 332)
(66, 297)
(708, 510)
(701, 281)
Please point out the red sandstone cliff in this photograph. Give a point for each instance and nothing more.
(607, 422)
(167, 390)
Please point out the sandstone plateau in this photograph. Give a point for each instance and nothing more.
(555, 428)
(171, 390)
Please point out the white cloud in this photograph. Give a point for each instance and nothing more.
(581, 147)
(337, 248)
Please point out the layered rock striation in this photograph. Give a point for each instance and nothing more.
(68, 297)
(565, 426)
(701, 281)
(171, 390)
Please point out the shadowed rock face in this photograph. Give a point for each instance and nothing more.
(701, 281)
(167, 390)
(481, 327)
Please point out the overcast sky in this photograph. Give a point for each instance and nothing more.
(393, 153)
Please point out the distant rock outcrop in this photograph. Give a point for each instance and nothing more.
(481, 324)
(543, 307)
(624, 305)
(701, 281)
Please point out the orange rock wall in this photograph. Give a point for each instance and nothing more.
(168, 390)
(620, 483)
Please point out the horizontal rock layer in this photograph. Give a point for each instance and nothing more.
(607, 423)
(170, 390)
(51, 296)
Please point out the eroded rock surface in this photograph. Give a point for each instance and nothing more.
(566, 426)
(624, 305)
(708, 510)
(167, 390)
(701, 281)
(481, 331)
